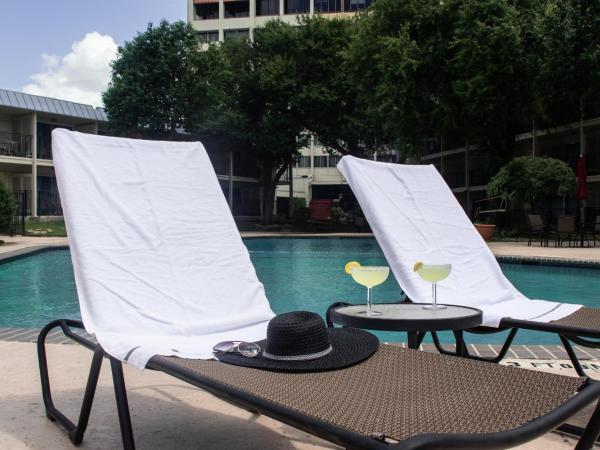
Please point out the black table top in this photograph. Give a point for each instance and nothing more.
(408, 317)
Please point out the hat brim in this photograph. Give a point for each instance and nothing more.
(350, 346)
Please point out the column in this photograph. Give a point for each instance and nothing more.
(312, 169)
(230, 197)
(442, 156)
(311, 7)
(468, 179)
(281, 7)
(34, 190)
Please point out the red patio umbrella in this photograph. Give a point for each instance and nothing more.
(582, 192)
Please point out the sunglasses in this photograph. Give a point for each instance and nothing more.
(247, 349)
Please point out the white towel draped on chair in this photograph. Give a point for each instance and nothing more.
(416, 217)
(159, 264)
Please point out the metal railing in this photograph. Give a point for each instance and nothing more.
(516, 219)
(44, 152)
(49, 203)
(15, 144)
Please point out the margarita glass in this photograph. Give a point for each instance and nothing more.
(433, 273)
(370, 276)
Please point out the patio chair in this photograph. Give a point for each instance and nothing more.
(415, 217)
(537, 229)
(565, 230)
(162, 274)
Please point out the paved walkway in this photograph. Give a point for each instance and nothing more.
(166, 413)
(520, 249)
(511, 249)
(18, 244)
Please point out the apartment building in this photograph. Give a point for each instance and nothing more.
(26, 124)
(26, 167)
(217, 20)
(468, 171)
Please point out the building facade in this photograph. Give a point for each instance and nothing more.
(217, 20)
(26, 167)
(26, 124)
(468, 171)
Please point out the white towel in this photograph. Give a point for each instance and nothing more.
(415, 217)
(159, 264)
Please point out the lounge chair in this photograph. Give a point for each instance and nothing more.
(415, 216)
(148, 228)
(565, 230)
(537, 230)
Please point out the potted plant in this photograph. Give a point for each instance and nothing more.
(486, 230)
(485, 215)
(532, 181)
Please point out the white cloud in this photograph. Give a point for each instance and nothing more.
(79, 76)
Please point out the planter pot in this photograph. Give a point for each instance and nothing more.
(486, 231)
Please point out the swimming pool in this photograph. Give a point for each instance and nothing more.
(297, 274)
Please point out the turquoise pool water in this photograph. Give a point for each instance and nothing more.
(297, 274)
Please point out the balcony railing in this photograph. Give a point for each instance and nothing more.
(15, 144)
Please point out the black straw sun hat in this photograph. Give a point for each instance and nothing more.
(300, 342)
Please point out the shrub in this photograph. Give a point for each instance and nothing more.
(8, 207)
(300, 209)
(533, 180)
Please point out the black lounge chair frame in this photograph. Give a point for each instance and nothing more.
(589, 392)
(589, 338)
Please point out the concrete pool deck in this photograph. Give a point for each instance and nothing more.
(501, 249)
(167, 413)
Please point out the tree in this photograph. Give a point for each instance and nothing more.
(490, 87)
(570, 33)
(397, 61)
(533, 180)
(8, 207)
(246, 93)
(148, 94)
(327, 96)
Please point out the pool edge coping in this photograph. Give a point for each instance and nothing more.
(29, 251)
(508, 259)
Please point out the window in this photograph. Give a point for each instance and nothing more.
(297, 6)
(237, 9)
(44, 139)
(303, 161)
(236, 34)
(357, 5)
(207, 11)
(328, 5)
(208, 36)
(333, 160)
(267, 7)
(320, 161)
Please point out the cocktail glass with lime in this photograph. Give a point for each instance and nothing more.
(433, 273)
(368, 276)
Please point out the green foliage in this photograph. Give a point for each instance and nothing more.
(397, 60)
(398, 76)
(149, 90)
(533, 180)
(247, 95)
(54, 228)
(328, 99)
(569, 32)
(8, 207)
(301, 210)
(458, 68)
(489, 91)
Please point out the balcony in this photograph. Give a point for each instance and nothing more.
(15, 144)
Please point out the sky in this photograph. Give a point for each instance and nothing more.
(63, 48)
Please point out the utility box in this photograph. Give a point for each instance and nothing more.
(320, 209)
